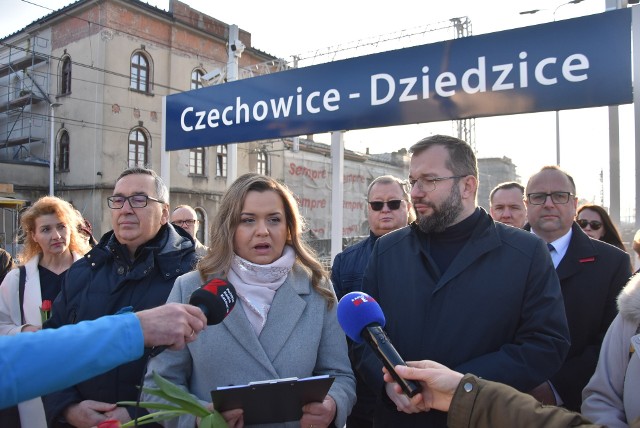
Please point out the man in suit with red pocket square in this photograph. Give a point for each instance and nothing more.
(591, 274)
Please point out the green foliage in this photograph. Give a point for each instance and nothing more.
(183, 403)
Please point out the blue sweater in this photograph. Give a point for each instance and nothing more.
(33, 364)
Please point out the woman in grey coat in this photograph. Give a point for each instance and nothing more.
(284, 323)
(612, 396)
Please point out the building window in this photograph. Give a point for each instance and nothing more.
(263, 163)
(196, 75)
(221, 161)
(201, 235)
(196, 161)
(65, 76)
(63, 151)
(140, 72)
(138, 148)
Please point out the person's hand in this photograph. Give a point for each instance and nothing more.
(400, 399)
(318, 415)
(438, 382)
(173, 325)
(29, 329)
(119, 413)
(544, 394)
(88, 413)
(234, 418)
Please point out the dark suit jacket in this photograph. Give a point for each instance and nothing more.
(591, 274)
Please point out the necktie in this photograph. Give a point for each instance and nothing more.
(551, 247)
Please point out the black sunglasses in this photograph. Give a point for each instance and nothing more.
(378, 205)
(595, 224)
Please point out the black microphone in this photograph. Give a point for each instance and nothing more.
(362, 319)
(215, 299)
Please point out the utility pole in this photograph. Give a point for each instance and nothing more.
(234, 51)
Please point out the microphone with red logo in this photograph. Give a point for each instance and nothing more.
(215, 299)
(361, 318)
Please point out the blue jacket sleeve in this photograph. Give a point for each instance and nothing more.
(34, 364)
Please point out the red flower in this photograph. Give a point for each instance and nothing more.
(109, 423)
(45, 310)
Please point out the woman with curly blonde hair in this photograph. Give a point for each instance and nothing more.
(284, 323)
(49, 230)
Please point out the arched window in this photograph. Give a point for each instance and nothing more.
(196, 75)
(65, 75)
(196, 161)
(138, 148)
(221, 161)
(140, 72)
(263, 163)
(63, 151)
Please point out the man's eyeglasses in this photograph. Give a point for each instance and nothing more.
(429, 184)
(182, 223)
(556, 197)
(135, 201)
(595, 224)
(378, 205)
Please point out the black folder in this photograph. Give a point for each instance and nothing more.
(272, 401)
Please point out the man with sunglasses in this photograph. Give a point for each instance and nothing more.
(388, 209)
(591, 275)
(132, 268)
(185, 217)
(455, 286)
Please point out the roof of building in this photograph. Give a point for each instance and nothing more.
(138, 3)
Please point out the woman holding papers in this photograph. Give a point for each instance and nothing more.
(284, 323)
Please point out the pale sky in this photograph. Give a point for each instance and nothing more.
(284, 28)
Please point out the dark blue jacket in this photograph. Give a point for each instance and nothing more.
(104, 282)
(348, 266)
(497, 310)
(346, 274)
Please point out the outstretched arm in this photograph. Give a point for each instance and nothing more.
(114, 339)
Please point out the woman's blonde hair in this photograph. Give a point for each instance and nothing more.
(64, 211)
(218, 258)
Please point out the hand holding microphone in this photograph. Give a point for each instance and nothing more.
(170, 325)
(215, 299)
(362, 319)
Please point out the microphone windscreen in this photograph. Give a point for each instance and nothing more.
(356, 310)
(216, 299)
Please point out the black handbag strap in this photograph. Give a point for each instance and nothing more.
(22, 280)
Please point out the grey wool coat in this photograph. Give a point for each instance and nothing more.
(301, 338)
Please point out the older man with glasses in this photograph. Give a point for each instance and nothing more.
(455, 286)
(591, 275)
(185, 217)
(132, 268)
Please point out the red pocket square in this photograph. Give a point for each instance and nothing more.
(587, 260)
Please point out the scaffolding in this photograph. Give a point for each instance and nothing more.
(466, 128)
(24, 99)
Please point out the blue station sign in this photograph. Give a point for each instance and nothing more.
(577, 63)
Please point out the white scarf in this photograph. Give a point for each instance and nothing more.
(256, 285)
